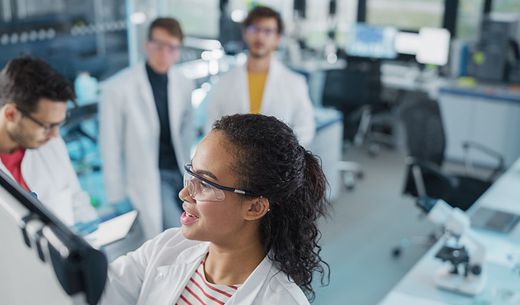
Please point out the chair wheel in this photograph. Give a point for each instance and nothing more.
(396, 252)
(349, 180)
(373, 150)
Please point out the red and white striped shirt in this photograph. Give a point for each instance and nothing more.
(199, 291)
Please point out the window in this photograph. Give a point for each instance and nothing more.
(405, 14)
(506, 6)
(469, 19)
(198, 17)
(316, 23)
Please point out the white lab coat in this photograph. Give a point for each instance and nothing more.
(285, 96)
(158, 272)
(48, 172)
(129, 139)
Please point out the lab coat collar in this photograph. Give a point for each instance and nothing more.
(179, 273)
(274, 63)
(273, 77)
(145, 89)
(248, 292)
(27, 163)
(174, 99)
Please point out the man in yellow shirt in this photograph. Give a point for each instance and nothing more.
(256, 84)
(264, 85)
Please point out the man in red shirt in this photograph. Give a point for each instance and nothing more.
(33, 106)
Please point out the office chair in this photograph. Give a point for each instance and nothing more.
(356, 91)
(426, 144)
(339, 92)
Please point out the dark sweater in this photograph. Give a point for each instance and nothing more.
(159, 84)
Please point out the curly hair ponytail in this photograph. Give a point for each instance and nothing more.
(271, 162)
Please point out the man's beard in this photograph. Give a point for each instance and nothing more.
(259, 55)
(22, 141)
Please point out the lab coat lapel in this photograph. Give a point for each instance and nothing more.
(248, 292)
(148, 103)
(174, 98)
(242, 90)
(31, 176)
(38, 171)
(177, 275)
(270, 87)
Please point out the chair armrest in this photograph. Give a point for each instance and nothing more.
(428, 167)
(419, 169)
(467, 145)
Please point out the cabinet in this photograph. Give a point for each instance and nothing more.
(485, 115)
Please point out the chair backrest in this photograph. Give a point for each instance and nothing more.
(425, 142)
(422, 120)
(356, 85)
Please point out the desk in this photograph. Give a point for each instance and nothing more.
(417, 287)
(410, 78)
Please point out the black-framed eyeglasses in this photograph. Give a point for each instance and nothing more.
(203, 189)
(163, 45)
(252, 29)
(47, 127)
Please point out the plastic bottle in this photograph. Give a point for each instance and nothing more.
(86, 88)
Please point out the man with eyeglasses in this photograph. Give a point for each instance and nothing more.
(33, 101)
(146, 130)
(263, 84)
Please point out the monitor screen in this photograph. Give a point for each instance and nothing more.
(434, 47)
(407, 43)
(372, 42)
(431, 46)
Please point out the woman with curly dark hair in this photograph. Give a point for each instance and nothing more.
(252, 196)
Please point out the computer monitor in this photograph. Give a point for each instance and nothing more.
(372, 42)
(434, 47)
(431, 46)
(407, 43)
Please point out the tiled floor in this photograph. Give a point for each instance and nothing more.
(364, 226)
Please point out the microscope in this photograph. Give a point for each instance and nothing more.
(461, 251)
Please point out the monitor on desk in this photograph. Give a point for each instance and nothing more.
(431, 46)
(434, 46)
(372, 42)
(407, 43)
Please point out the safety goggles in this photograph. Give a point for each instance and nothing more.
(201, 189)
